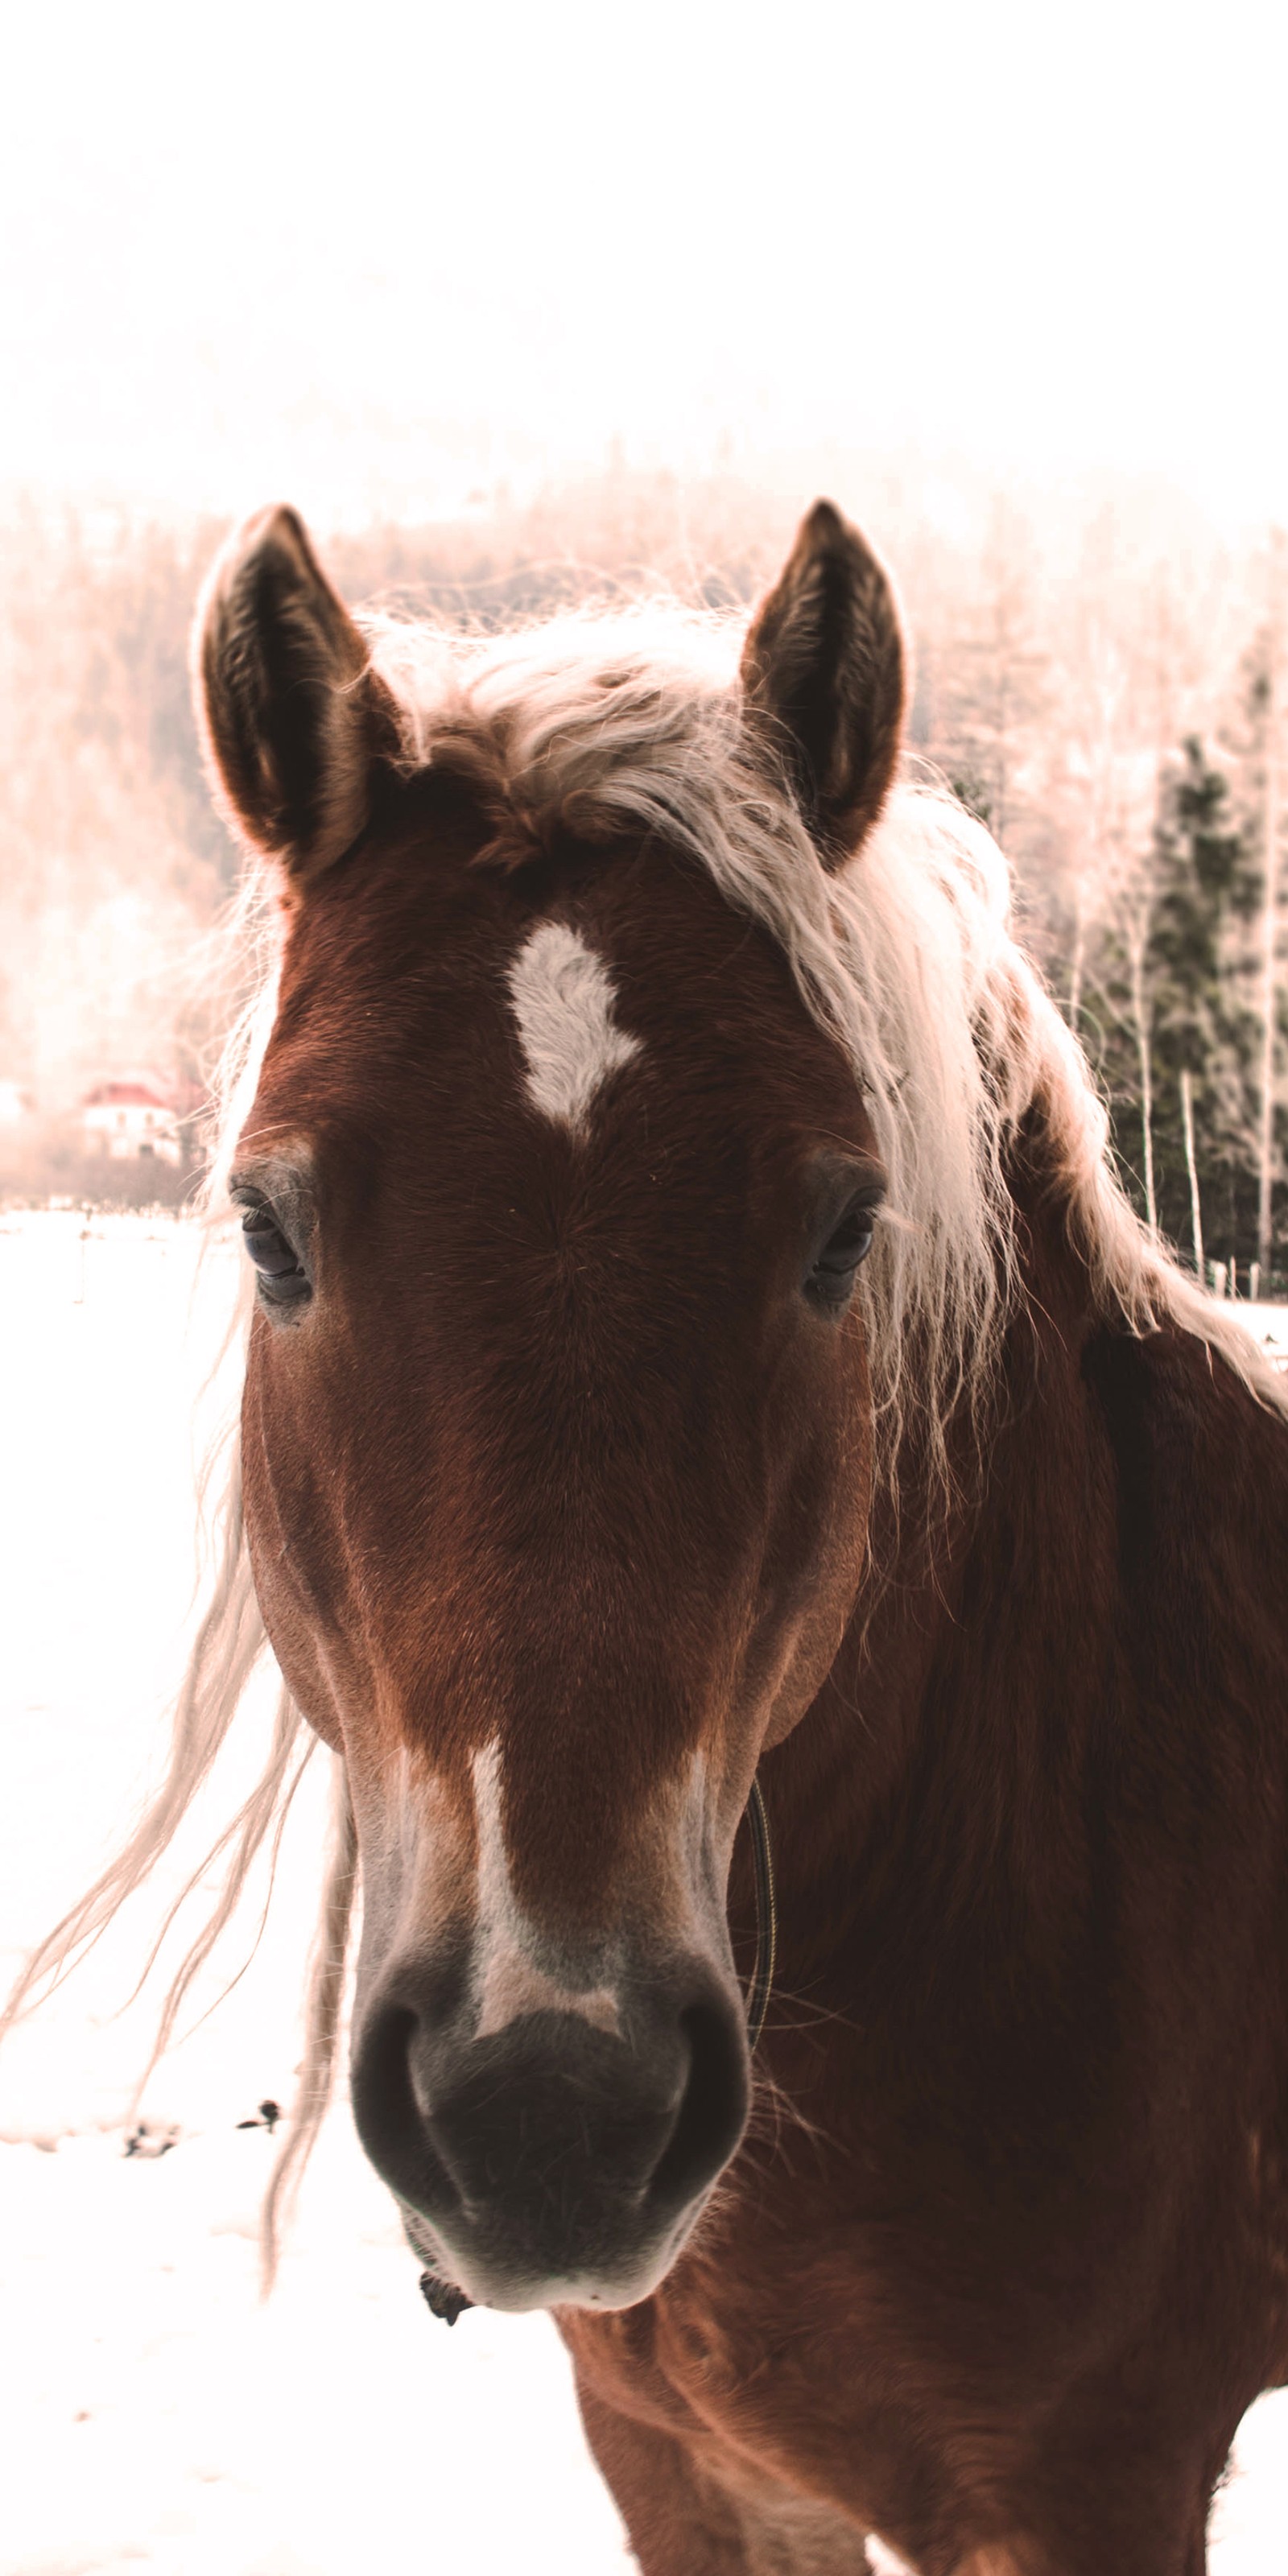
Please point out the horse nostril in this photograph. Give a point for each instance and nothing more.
(712, 2111)
(388, 2115)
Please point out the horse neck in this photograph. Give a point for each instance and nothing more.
(949, 1750)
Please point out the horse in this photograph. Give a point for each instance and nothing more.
(702, 1362)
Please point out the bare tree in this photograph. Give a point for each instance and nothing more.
(992, 683)
(1191, 1166)
(1270, 925)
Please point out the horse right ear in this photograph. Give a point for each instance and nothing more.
(292, 716)
(823, 678)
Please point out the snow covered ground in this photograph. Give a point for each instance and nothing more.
(156, 2416)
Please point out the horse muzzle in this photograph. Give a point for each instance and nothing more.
(553, 2162)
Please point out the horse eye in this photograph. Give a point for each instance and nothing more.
(831, 1278)
(282, 1276)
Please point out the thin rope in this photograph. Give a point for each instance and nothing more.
(766, 1916)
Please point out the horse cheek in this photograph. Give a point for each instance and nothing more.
(295, 1580)
(821, 1542)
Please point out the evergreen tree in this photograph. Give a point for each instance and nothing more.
(1165, 1002)
(1259, 964)
(1201, 878)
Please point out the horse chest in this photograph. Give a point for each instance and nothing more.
(816, 2347)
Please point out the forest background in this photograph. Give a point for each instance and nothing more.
(1098, 675)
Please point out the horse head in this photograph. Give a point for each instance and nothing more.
(558, 1437)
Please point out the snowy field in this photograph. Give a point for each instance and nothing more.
(156, 2416)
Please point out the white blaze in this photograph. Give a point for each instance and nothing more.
(512, 1981)
(562, 995)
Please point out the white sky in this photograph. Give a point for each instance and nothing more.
(375, 256)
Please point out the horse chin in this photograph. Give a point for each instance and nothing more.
(487, 2280)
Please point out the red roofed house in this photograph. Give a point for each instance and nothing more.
(130, 1121)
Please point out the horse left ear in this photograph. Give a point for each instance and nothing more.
(823, 673)
(293, 718)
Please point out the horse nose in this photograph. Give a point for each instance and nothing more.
(542, 2107)
(552, 2151)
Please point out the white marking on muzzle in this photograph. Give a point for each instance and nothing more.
(562, 996)
(512, 1981)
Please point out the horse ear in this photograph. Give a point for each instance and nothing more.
(823, 673)
(292, 716)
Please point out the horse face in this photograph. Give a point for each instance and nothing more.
(557, 1457)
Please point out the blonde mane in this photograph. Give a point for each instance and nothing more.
(631, 725)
